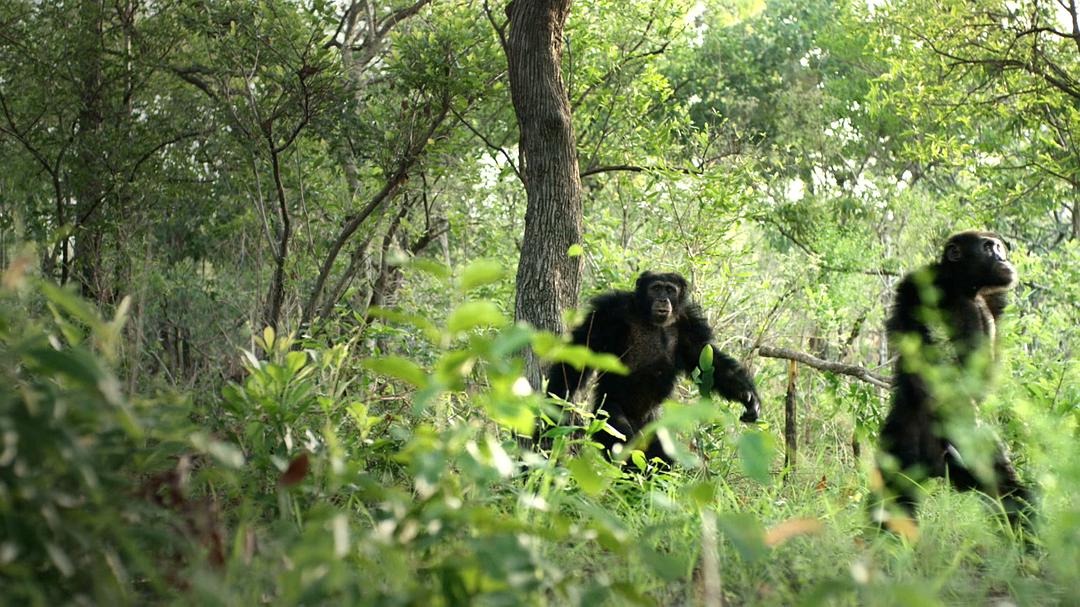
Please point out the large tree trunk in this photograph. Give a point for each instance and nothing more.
(548, 279)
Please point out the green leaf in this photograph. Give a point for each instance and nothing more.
(669, 567)
(553, 348)
(756, 453)
(120, 317)
(71, 303)
(583, 471)
(79, 367)
(268, 338)
(681, 417)
(703, 493)
(60, 559)
(454, 365)
(415, 320)
(481, 272)
(475, 314)
(510, 342)
(575, 250)
(433, 268)
(76, 365)
(745, 533)
(295, 361)
(225, 453)
(609, 429)
(705, 359)
(827, 592)
(911, 594)
(512, 413)
(397, 367)
(705, 364)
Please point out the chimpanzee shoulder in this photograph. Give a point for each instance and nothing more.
(908, 303)
(613, 303)
(693, 326)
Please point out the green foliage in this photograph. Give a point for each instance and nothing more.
(792, 159)
(756, 451)
(705, 370)
(555, 349)
(78, 523)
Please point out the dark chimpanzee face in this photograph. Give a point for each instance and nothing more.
(661, 296)
(978, 259)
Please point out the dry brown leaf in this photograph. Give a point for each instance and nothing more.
(904, 527)
(822, 485)
(788, 529)
(296, 471)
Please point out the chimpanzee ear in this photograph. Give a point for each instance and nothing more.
(642, 280)
(953, 252)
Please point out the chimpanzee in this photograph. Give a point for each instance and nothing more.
(657, 332)
(943, 327)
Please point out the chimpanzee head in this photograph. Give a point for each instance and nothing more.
(977, 260)
(660, 297)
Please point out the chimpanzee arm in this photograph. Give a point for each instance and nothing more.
(602, 331)
(730, 379)
(564, 380)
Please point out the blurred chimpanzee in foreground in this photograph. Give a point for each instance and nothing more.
(944, 327)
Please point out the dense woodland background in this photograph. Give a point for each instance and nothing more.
(180, 175)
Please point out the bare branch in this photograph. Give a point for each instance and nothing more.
(398, 16)
(390, 188)
(499, 29)
(489, 143)
(855, 371)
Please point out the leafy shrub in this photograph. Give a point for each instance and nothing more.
(79, 524)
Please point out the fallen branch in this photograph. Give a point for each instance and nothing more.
(855, 371)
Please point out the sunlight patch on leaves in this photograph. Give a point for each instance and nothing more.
(397, 367)
(474, 315)
(479, 273)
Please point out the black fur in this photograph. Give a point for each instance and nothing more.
(656, 348)
(964, 295)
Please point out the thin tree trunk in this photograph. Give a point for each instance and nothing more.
(388, 192)
(548, 279)
(357, 257)
(791, 430)
(1076, 220)
(87, 186)
(275, 297)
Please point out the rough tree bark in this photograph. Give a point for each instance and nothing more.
(548, 279)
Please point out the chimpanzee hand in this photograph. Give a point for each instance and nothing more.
(753, 407)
